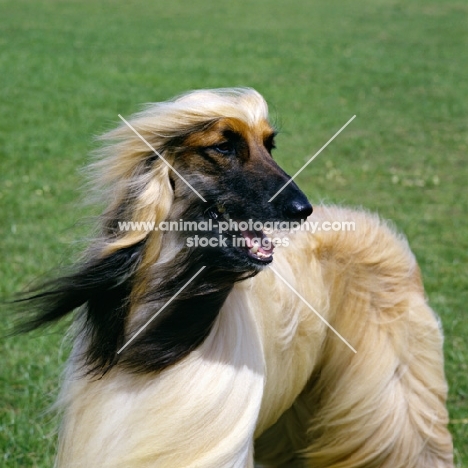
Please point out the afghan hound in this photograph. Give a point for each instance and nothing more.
(318, 350)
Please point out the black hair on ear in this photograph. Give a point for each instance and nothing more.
(101, 286)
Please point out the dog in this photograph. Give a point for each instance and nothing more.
(318, 350)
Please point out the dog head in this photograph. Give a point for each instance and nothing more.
(205, 156)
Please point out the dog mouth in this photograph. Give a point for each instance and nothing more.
(258, 246)
(251, 242)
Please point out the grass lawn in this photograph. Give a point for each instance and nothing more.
(69, 67)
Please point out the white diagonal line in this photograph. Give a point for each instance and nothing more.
(312, 309)
(159, 155)
(161, 309)
(312, 158)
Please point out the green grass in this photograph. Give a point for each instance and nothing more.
(68, 68)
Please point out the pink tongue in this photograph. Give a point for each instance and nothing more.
(250, 238)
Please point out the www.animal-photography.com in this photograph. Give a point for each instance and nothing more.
(234, 234)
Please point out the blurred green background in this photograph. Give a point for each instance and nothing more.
(67, 68)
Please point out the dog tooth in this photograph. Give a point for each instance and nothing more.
(254, 249)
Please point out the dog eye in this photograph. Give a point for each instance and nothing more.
(224, 148)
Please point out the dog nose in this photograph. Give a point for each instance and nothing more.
(298, 209)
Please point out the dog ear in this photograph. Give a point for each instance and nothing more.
(103, 282)
(132, 183)
(101, 286)
(135, 215)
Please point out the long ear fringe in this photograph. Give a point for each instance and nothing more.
(102, 287)
(188, 315)
(151, 203)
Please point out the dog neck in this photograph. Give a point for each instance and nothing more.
(172, 316)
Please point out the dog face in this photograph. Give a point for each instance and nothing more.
(230, 163)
